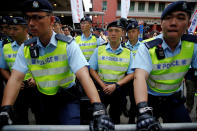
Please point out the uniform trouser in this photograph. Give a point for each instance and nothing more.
(115, 100)
(27, 99)
(191, 87)
(132, 110)
(170, 108)
(60, 109)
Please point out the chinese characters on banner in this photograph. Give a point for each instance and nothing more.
(77, 10)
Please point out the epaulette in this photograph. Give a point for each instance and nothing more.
(152, 43)
(188, 37)
(95, 35)
(104, 44)
(64, 38)
(30, 41)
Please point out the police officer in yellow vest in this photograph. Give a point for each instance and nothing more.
(160, 66)
(133, 43)
(110, 66)
(54, 60)
(87, 41)
(27, 94)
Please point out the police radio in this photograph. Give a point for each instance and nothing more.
(34, 51)
(160, 52)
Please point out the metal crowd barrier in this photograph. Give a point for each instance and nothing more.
(122, 127)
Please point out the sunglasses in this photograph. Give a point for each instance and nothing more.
(34, 17)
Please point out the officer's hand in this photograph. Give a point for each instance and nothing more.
(145, 120)
(101, 121)
(6, 115)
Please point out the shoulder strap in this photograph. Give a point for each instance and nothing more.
(64, 38)
(152, 43)
(30, 41)
(188, 37)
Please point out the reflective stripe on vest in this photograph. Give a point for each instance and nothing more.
(51, 71)
(167, 74)
(112, 67)
(10, 57)
(87, 47)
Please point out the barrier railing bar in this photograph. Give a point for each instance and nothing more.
(121, 127)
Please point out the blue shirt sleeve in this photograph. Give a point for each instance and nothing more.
(20, 62)
(76, 58)
(142, 59)
(194, 58)
(129, 71)
(94, 60)
(98, 41)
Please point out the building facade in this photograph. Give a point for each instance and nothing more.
(148, 11)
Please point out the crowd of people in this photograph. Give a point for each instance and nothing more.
(50, 68)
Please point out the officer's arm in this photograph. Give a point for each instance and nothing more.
(12, 88)
(95, 75)
(126, 79)
(140, 87)
(88, 85)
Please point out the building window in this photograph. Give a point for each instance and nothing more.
(119, 5)
(151, 7)
(104, 6)
(141, 6)
(161, 6)
(132, 6)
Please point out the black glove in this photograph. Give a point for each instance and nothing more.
(101, 121)
(145, 120)
(6, 115)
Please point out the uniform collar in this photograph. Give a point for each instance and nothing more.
(15, 44)
(165, 45)
(130, 45)
(52, 41)
(117, 51)
(83, 36)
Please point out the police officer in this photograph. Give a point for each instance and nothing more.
(27, 95)
(160, 66)
(133, 43)
(57, 27)
(87, 41)
(53, 60)
(110, 66)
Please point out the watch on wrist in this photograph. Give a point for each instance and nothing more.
(117, 85)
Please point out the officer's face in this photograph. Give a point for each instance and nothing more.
(40, 23)
(133, 34)
(85, 26)
(174, 25)
(114, 34)
(18, 32)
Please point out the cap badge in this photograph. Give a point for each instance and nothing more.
(184, 6)
(35, 4)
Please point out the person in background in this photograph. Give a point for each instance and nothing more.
(57, 27)
(54, 61)
(87, 41)
(110, 66)
(67, 30)
(133, 43)
(27, 96)
(160, 66)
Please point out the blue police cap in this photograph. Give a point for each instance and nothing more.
(176, 6)
(37, 5)
(132, 25)
(57, 20)
(18, 21)
(86, 18)
(116, 23)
